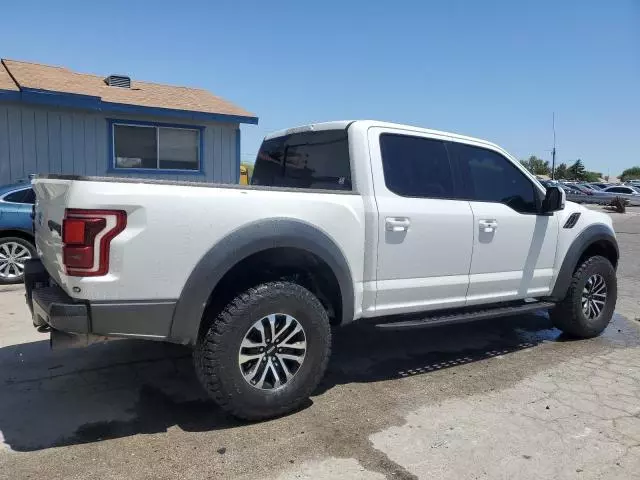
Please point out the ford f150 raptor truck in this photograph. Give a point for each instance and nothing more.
(352, 220)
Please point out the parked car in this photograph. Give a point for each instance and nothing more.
(574, 195)
(582, 188)
(628, 192)
(392, 224)
(580, 194)
(622, 189)
(589, 187)
(16, 231)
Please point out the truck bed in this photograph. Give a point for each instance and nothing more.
(172, 225)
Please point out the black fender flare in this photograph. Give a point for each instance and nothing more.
(240, 244)
(589, 236)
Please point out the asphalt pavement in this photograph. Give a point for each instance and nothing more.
(506, 398)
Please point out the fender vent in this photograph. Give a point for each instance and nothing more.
(572, 220)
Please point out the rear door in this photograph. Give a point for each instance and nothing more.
(425, 235)
(514, 248)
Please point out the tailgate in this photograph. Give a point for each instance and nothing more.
(51, 202)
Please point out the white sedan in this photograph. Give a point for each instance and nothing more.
(625, 191)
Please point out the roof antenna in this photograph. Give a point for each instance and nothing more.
(553, 151)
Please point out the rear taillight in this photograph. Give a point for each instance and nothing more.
(86, 238)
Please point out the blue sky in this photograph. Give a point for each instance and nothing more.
(495, 69)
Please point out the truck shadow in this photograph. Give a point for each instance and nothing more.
(124, 388)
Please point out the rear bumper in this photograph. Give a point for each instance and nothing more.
(52, 307)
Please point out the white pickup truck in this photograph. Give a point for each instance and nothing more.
(397, 225)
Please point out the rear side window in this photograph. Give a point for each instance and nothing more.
(317, 160)
(29, 197)
(490, 177)
(21, 196)
(416, 166)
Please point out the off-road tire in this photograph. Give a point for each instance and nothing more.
(216, 353)
(568, 316)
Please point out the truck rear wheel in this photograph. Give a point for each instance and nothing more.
(591, 300)
(266, 352)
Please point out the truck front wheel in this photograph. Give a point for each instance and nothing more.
(266, 352)
(591, 299)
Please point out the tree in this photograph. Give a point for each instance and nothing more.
(536, 165)
(561, 171)
(576, 171)
(632, 173)
(592, 176)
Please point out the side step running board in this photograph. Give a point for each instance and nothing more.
(466, 316)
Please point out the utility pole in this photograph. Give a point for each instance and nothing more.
(553, 152)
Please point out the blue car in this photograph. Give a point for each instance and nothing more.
(16, 231)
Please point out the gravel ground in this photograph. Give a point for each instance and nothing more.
(508, 398)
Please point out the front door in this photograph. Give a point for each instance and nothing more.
(514, 248)
(425, 236)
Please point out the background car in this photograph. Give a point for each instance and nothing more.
(572, 194)
(591, 187)
(581, 194)
(583, 188)
(625, 189)
(16, 231)
(632, 194)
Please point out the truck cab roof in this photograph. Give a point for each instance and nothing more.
(365, 124)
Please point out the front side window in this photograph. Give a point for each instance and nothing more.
(416, 166)
(318, 160)
(156, 147)
(490, 177)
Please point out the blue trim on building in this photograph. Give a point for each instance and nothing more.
(58, 99)
(111, 168)
(167, 112)
(238, 155)
(10, 95)
(89, 102)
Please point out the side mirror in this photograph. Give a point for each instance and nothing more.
(553, 200)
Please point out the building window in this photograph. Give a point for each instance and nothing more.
(156, 147)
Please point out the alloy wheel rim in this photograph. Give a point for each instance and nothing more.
(12, 258)
(594, 296)
(272, 351)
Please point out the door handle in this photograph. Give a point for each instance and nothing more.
(488, 226)
(397, 224)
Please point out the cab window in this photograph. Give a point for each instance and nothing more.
(490, 177)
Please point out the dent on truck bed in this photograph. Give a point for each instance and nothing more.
(254, 238)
